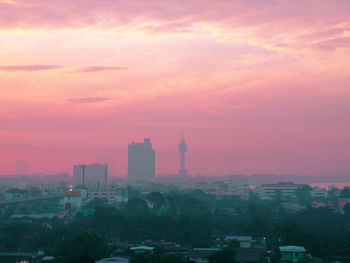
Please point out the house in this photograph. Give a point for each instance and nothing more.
(201, 255)
(249, 255)
(113, 260)
(15, 193)
(292, 254)
(243, 241)
(142, 249)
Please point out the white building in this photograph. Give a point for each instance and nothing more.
(318, 192)
(284, 190)
(72, 199)
(239, 186)
(109, 196)
(95, 176)
(141, 161)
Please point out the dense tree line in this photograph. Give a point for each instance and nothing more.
(190, 219)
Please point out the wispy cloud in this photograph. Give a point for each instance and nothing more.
(98, 68)
(28, 68)
(88, 100)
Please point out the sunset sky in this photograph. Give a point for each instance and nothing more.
(254, 86)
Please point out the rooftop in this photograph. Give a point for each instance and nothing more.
(292, 249)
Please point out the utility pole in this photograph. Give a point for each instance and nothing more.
(106, 170)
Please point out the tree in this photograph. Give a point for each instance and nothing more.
(136, 207)
(157, 199)
(223, 256)
(97, 202)
(83, 247)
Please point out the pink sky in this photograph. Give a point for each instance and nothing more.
(255, 86)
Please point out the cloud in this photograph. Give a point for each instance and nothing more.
(254, 22)
(98, 68)
(88, 100)
(28, 68)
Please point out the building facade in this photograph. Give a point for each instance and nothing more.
(281, 190)
(141, 161)
(238, 186)
(96, 176)
(318, 192)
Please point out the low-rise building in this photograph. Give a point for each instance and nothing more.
(15, 193)
(283, 190)
(249, 255)
(142, 249)
(113, 260)
(72, 199)
(238, 186)
(293, 254)
(201, 255)
(318, 192)
(109, 196)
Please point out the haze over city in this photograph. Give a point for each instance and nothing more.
(187, 131)
(255, 86)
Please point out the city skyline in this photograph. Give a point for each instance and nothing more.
(256, 86)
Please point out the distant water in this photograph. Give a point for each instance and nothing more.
(325, 185)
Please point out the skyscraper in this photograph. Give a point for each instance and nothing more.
(141, 161)
(95, 176)
(182, 149)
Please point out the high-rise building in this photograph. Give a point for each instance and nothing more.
(95, 176)
(21, 167)
(141, 161)
(182, 149)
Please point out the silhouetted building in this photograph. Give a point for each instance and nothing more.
(95, 176)
(21, 167)
(141, 161)
(182, 149)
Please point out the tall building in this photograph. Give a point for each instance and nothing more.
(21, 167)
(95, 176)
(182, 149)
(141, 161)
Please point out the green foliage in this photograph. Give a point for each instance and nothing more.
(157, 199)
(137, 207)
(97, 202)
(83, 247)
(223, 256)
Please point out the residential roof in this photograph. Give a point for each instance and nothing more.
(239, 238)
(142, 248)
(292, 248)
(282, 185)
(202, 252)
(249, 254)
(113, 260)
(17, 191)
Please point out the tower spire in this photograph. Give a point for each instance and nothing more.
(182, 149)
